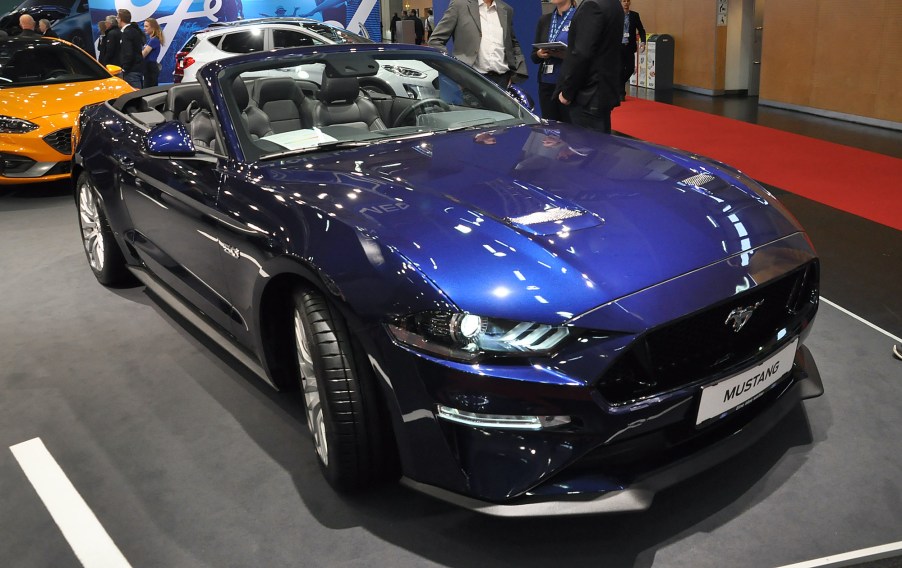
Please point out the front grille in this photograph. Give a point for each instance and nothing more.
(61, 140)
(702, 345)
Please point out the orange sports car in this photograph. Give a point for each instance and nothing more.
(43, 85)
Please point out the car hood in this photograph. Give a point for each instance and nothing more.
(47, 100)
(538, 221)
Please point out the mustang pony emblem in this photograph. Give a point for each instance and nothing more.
(741, 316)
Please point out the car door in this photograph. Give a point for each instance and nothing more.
(172, 204)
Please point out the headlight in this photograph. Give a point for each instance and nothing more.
(404, 71)
(11, 125)
(467, 337)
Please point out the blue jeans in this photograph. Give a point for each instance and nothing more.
(134, 78)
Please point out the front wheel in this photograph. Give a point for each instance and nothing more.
(350, 434)
(104, 255)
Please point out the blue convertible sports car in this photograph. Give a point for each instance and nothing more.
(521, 317)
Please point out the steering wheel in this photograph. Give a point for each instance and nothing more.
(55, 73)
(417, 107)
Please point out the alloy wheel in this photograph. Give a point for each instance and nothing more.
(312, 401)
(91, 234)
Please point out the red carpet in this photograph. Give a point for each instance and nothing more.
(863, 183)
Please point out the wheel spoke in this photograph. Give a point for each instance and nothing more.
(90, 227)
(313, 404)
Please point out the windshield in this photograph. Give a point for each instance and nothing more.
(342, 99)
(40, 62)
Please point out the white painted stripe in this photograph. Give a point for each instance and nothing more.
(850, 558)
(861, 319)
(90, 542)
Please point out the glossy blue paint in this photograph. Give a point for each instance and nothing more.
(169, 138)
(616, 238)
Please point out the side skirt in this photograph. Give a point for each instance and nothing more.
(196, 319)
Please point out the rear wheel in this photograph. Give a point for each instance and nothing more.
(344, 413)
(104, 255)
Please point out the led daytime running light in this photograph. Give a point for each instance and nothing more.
(502, 421)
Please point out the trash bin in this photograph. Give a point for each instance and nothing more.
(660, 62)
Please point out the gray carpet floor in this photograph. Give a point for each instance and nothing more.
(188, 461)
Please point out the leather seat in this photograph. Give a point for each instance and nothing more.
(283, 101)
(255, 120)
(341, 102)
(202, 128)
(179, 97)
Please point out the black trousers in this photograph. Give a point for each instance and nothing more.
(500, 79)
(594, 119)
(151, 73)
(551, 107)
(627, 66)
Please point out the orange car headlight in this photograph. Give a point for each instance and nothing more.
(12, 125)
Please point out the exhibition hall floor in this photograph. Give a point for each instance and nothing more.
(186, 460)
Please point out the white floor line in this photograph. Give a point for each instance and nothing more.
(87, 537)
(850, 558)
(861, 319)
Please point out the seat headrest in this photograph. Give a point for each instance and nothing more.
(339, 90)
(180, 96)
(239, 90)
(278, 89)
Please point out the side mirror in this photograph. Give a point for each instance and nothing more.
(114, 69)
(169, 139)
(521, 97)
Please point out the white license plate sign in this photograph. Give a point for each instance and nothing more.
(736, 391)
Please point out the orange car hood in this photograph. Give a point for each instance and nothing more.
(49, 100)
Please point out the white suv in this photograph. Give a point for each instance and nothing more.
(225, 39)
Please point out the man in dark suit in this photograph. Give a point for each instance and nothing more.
(419, 31)
(589, 80)
(632, 26)
(113, 40)
(46, 30)
(131, 58)
(462, 22)
(26, 22)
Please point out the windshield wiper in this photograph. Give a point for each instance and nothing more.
(346, 144)
(325, 146)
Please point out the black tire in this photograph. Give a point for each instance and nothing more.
(104, 255)
(351, 436)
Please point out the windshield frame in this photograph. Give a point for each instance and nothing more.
(489, 95)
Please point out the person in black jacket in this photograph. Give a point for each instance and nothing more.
(632, 26)
(589, 80)
(394, 29)
(419, 31)
(113, 37)
(554, 26)
(101, 40)
(46, 30)
(26, 22)
(131, 58)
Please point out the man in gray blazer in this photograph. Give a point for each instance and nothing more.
(483, 34)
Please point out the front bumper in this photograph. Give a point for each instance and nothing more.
(29, 158)
(579, 491)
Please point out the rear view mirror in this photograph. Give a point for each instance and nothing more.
(169, 139)
(114, 69)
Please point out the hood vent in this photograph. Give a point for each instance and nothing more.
(698, 180)
(547, 216)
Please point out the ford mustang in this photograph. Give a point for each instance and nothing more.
(517, 316)
(43, 85)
